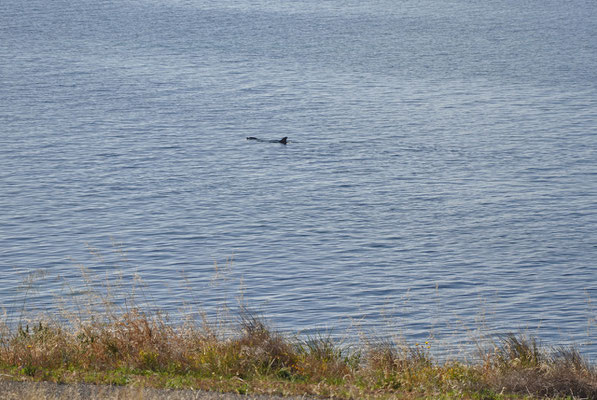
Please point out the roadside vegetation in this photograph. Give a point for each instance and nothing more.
(135, 348)
(101, 335)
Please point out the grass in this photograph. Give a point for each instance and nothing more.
(136, 348)
(132, 347)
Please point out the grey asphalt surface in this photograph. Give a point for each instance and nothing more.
(12, 390)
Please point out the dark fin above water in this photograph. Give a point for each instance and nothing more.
(284, 140)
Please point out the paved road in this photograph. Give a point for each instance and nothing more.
(10, 390)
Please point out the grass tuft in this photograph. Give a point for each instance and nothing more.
(517, 351)
(520, 365)
(132, 347)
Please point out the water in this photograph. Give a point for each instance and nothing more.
(441, 175)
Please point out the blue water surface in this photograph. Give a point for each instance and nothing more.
(440, 179)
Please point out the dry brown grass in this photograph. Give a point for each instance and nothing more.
(105, 344)
(146, 349)
(518, 364)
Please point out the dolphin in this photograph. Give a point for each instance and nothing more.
(283, 140)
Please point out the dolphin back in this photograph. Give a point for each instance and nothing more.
(284, 140)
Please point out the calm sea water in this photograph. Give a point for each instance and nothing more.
(441, 174)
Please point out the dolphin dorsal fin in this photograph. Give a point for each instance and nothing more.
(283, 140)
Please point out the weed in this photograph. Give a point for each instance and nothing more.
(130, 346)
